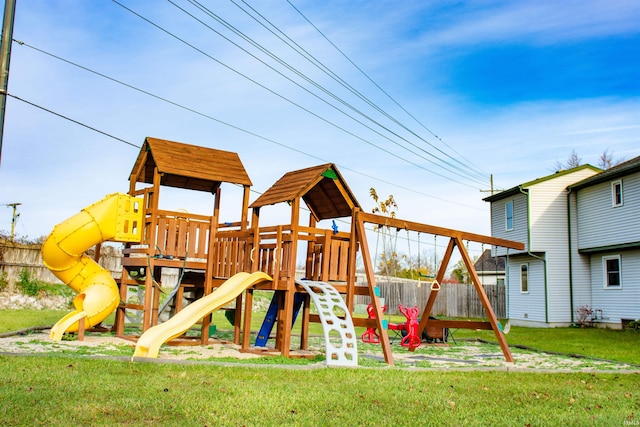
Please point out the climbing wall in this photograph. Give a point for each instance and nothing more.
(339, 334)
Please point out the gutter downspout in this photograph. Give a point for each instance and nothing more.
(544, 261)
(570, 254)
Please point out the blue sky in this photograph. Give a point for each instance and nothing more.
(470, 89)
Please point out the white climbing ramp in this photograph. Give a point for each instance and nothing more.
(329, 303)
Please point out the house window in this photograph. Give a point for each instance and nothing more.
(616, 193)
(508, 214)
(612, 274)
(524, 278)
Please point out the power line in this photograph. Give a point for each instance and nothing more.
(296, 104)
(238, 128)
(250, 79)
(72, 120)
(381, 89)
(283, 145)
(313, 60)
(318, 64)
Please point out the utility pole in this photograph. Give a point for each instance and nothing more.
(492, 190)
(5, 58)
(14, 218)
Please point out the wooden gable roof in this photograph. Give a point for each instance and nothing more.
(321, 187)
(188, 166)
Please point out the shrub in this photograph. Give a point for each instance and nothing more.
(634, 325)
(26, 284)
(4, 283)
(585, 316)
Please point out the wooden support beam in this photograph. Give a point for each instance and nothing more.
(248, 309)
(156, 299)
(148, 297)
(357, 321)
(351, 264)
(460, 324)
(306, 312)
(237, 320)
(208, 278)
(245, 207)
(137, 174)
(485, 301)
(255, 250)
(371, 283)
(284, 325)
(81, 328)
(438, 231)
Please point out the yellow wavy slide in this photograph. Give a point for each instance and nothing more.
(149, 343)
(116, 217)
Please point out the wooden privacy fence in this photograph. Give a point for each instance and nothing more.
(15, 257)
(454, 300)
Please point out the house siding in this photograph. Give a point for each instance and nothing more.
(581, 282)
(520, 222)
(620, 303)
(549, 220)
(541, 221)
(580, 264)
(621, 224)
(526, 307)
(567, 234)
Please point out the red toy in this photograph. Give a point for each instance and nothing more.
(411, 339)
(370, 335)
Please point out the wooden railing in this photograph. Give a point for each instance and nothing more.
(172, 239)
(182, 239)
(181, 235)
(328, 255)
(273, 253)
(231, 253)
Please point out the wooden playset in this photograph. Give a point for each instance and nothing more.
(207, 251)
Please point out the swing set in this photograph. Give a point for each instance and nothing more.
(456, 239)
(408, 330)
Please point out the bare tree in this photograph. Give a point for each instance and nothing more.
(389, 263)
(606, 160)
(572, 162)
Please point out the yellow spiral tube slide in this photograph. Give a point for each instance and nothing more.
(117, 217)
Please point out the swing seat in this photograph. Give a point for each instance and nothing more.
(370, 336)
(430, 335)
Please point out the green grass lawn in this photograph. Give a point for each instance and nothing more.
(79, 391)
(73, 389)
(13, 320)
(618, 345)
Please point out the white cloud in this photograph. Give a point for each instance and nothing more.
(546, 22)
